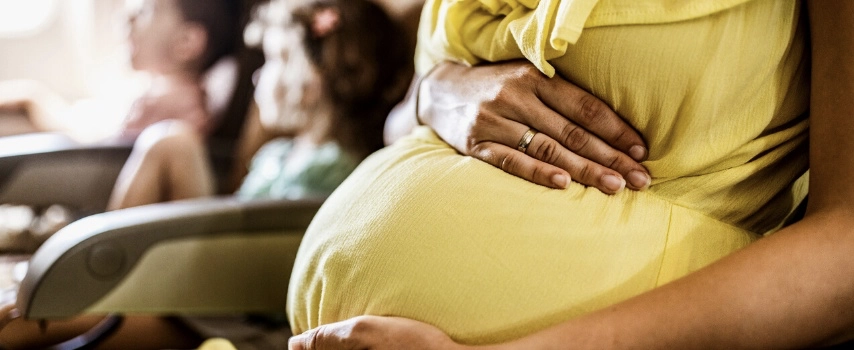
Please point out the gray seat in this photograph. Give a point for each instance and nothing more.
(209, 256)
(43, 169)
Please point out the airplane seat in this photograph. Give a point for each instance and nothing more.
(44, 169)
(212, 256)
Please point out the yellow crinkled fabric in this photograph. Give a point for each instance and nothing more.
(717, 88)
(471, 31)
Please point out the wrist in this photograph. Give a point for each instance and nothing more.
(420, 106)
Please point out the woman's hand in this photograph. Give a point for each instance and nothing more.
(486, 112)
(374, 333)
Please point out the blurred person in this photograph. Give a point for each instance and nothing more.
(333, 105)
(175, 42)
(739, 101)
(182, 45)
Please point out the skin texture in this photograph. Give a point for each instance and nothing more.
(484, 111)
(793, 289)
(376, 333)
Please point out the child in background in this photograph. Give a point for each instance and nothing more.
(333, 71)
(176, 41)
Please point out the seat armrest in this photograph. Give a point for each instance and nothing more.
(84, 263)
(42, 169)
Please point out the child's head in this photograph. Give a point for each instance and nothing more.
(183, 35)
(343, 56)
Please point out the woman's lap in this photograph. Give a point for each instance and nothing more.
(421, 232)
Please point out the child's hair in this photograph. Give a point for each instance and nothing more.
(364, 61)
(221, 21)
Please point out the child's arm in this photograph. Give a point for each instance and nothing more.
(42, 105)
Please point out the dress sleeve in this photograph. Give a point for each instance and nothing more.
(473, 31)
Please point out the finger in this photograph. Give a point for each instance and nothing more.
(321, 338)
(584, 145)
(582, 170)
(351, 334)
(607, 167)
(521, 165)
(592, 114)
(302, 341)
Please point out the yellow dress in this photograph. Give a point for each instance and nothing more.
(718, 89)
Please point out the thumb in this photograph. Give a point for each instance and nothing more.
(298, 342)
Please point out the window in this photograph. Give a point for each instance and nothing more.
(25, 17)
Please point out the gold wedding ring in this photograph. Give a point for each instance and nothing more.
(526, 140)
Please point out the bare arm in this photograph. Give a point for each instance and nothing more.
(42, 105)
(794, 289)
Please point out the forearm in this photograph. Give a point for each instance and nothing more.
(791, 290)
(40, 104)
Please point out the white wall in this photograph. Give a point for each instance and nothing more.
(73, 52)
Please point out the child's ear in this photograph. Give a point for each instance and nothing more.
(192, 43)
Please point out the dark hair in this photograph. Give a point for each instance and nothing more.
(221, 20)
(365, 65)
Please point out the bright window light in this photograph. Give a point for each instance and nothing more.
(25, 17)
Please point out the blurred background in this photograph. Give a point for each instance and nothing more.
(78, 48)
(74, 47)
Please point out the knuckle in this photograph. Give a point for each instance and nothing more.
(574, 137)
(529, 76)
(475, 149)
(623, 136)
(480, 150)
(592, 109)
(614, 161)
(508, 163)
(528, 71)
(479, 129)
(522, 75)
(472, 146)
(505, 95)
(360, 325)
(536, 173)
(346, 336)
(319, 339)
(548, 152)
(585, 172)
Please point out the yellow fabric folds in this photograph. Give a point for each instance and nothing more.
(471, 31)
(719, 91)
(495, 30)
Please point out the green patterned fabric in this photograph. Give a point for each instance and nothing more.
(317, 176)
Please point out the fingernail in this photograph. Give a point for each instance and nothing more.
(613, 183)
(639, 179)
(560, 181)
(638, 153)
